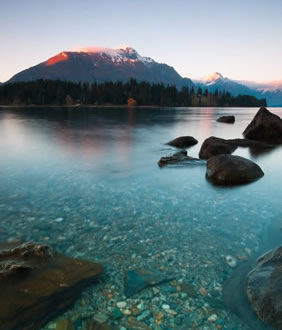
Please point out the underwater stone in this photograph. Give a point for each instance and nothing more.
(139, 279)
(29, 299)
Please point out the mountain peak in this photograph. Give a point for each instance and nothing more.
(213, 77)
(117, 55)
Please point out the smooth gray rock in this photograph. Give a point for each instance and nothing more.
(226, 119)
(232, 170)
(183, 142)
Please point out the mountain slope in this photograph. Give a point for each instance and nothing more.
(102, 64)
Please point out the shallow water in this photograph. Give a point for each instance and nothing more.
(87, 182)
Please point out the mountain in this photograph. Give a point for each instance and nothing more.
(217, 81)
(272, 93)
(102, 64)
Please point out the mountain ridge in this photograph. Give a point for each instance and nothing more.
(100, 64)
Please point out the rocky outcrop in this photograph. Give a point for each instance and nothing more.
(179, 157)
(213, 146)
(264, 288)
(231, 170)
(37, 283)
(226, 119)
(183, 142)
(265, 126)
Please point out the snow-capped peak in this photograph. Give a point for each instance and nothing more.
(213, 77)
(117, 55)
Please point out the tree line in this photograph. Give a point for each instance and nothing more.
(57, 92)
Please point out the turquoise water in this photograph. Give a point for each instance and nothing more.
(87, 182)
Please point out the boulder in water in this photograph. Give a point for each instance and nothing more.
(228, 169)
(265, 126)
(183, 142)
(226, 119)
(213, 146)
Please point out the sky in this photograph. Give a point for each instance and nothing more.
(240, 39)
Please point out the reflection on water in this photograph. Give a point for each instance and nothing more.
(97, 170)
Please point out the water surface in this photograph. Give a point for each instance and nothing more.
(87, 182)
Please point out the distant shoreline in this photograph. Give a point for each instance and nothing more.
(121, 106)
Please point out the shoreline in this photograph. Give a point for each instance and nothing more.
(121, 106)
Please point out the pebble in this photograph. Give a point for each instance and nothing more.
(165, 307)
(121, 304)
(212, 318)
(144, 315)
(231, 261)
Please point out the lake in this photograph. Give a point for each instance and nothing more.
(87, 182)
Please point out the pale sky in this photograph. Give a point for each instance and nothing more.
(240, 39)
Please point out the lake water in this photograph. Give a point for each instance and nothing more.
(87, 182)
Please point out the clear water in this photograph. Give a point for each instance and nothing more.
(87, 182)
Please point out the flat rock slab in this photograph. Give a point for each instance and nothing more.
(265, 126)
(179, 158)
(226, 119)
(139, 279)
(264, 288)
(37, 283)
(183, 142)
(232, 170)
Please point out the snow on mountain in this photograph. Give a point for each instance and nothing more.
(217, 81)
(117, 55)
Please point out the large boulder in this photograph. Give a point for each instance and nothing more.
(227, 169)
(265, 126)
(264, 288)
(37, 283)
(183, 142)
(213, 146)
(226, 119)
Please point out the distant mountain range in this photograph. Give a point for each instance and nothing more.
(272, 92)
(110, 64)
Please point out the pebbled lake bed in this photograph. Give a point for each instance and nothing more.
(87, 181)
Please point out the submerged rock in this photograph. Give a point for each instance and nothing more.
(264, 288)
(183, 142)
(177, 158)
(226, 119)
(139, 279)
(227, 169)
(214, 146)
(234, 296)
(37, 283)
(265, 126)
